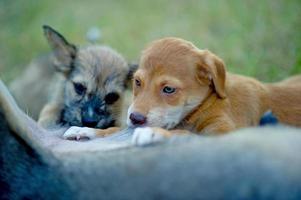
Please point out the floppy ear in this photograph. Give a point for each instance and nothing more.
(212, 69)
(129, 77)
(64, 52)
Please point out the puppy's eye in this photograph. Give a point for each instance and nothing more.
(169, 90)
(79, 88)
(137, 82)
(111, 97)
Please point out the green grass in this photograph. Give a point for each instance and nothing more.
(257, 38)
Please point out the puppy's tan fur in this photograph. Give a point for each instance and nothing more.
(207, 98)
(47, 88)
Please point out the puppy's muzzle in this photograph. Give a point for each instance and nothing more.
(137, 119)
(93, 111)
(89, 118)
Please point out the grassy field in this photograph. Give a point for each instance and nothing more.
(254, 37)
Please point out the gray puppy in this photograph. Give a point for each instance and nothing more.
(74, 86)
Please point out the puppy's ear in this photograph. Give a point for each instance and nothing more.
(129, 77)
(64, 52)
(212, 69)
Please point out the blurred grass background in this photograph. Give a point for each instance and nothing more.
(254, 37)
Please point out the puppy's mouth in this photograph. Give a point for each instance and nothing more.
(100, 124)
(103, 122)
(107, 125)
(155, 119)
(166, 120)
(137, 126)
(150, 124)
(169, 125)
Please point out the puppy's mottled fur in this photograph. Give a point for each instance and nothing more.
(75, 86)
(179, 86)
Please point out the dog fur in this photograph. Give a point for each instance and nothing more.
(206, 98)
(60, 89)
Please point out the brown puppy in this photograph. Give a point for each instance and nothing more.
(179, 86)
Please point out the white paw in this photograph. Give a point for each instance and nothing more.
(144, 136)
(77, 133)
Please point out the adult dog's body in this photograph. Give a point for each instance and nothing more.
(178, 86)
(76, 86)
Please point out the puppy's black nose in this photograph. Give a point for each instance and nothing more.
(137, 118)
(89, 122)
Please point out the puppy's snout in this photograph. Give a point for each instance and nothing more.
(89, 118)
(89, 122)
(137, 119)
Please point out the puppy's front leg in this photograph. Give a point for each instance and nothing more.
(49, 115)
(147, 135)
(218, 127)
(77, 133)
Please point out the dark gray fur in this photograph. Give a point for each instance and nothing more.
(23, 174)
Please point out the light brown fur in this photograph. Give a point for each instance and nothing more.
(47, 88)
(211, 100)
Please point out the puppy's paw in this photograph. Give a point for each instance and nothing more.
(145, 136)
(78, 133)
